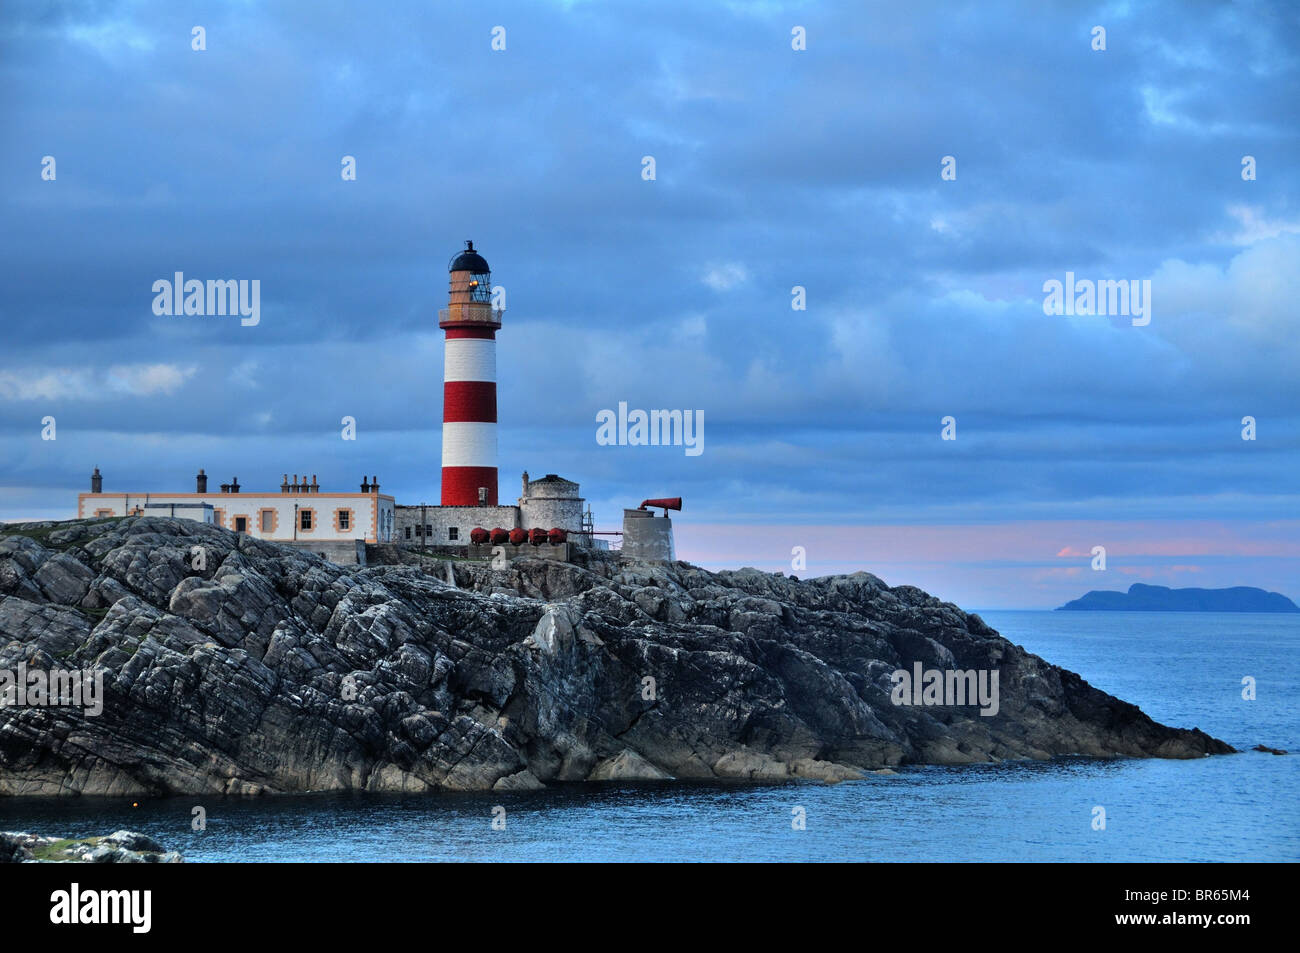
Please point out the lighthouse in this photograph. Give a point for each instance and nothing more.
(469, 389)
(545, 522)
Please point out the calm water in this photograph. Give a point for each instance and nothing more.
(1181, 668)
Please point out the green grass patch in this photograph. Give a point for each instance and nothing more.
(42, 534)
(60, 850)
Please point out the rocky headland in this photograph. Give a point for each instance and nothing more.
(235, 666)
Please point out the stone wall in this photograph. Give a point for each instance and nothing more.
(442, 519)
(560, 551)
(549, 513)
(391, 554)
(341, 552)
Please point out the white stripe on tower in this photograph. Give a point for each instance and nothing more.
(470, 359)
(468, 444)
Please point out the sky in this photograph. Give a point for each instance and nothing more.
(775, 168)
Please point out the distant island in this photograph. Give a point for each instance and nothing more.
(1144, 598)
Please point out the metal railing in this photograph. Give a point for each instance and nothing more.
(475, 312)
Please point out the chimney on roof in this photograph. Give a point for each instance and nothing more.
(374, 484)
(96, 482)
(284, 484)
(234, 485)
(365, 487)
(201, 482)
(315, 487)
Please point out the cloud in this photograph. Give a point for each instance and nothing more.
(1238, 320)
(77, 384)
(1254, 225)
(245, 374)
(57, 384)
(146, 380)
(725, 276)
(112, 38)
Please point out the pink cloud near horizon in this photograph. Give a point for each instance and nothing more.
(1024, 564)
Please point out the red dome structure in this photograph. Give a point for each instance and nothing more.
(499, 537)
(478, 535)
(557, 536)
(518, 537)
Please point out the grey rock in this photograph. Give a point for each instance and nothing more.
(133, 840)
(752, 766)
(14, 848)
(63, 580)
(627, 765)
(827, 771)
(523, 781)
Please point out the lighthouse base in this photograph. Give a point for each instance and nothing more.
(460, 486)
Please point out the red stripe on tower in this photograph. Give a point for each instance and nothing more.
(469, 401)
(469, 390)
(460, 485)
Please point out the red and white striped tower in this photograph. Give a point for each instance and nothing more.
(469, 389)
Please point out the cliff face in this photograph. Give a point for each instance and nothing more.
(271, 670)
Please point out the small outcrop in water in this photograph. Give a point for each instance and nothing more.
(236, 666)
(120, 847)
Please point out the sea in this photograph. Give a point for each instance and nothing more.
(1181, 668)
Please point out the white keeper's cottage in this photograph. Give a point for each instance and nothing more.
(332, 524)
